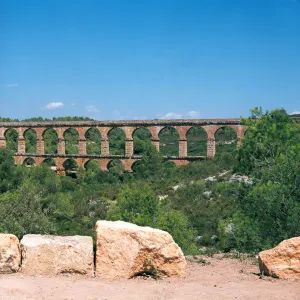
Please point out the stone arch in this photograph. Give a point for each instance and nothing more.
(29, 162)
(169, 165)
(196, 141)
(239, 130)
(50, 137)
(92, 164)
(169, 141)
(70, 166)
(93, 141)
(142, 137)
(71, 137)
(11, 136)
(116, 166)
(116, 140)
(50, 163)
(136, 166)
(30, 136)
(179, 163)
(226, 139)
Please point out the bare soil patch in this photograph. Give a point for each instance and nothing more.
(208, 278)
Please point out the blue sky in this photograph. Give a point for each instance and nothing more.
(148, 59)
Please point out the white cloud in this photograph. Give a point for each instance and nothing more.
(10, 85)
(193, 114)
(54, 105)
(92, 108)
(171, 115)
(295, 112)
(189, 115)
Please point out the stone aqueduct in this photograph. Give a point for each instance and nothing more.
(154, 126)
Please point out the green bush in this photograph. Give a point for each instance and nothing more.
(138, 204)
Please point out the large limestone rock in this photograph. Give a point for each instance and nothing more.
(283, 261)
(10, 256)
(52, 255)
(125, 250)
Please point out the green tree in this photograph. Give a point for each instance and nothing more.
(138, 204)
(10, 175)
(268, 135)
(268, 210)
(21, 212)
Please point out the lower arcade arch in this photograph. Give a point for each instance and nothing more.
(196, 141)
(136, 165)
(140, 169)
(168, 164)
(49, 163)
(92, 165)
(116, 166)
(71, 167)
(29, 162)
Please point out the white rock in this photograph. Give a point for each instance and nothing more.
(10, 256)
(211, 178)
(52, 255)
(283, 261)
(125, 250)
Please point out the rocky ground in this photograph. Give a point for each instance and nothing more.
(208, 278)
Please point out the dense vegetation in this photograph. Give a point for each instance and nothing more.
(215, 213)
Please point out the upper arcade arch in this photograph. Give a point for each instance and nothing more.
(50, 140)
(116, 139)
(142, 140)
(71, 137)
(196, 141)
(226, 139)
(11, 139)
(93, 141)
(30, 137)
(169, 141)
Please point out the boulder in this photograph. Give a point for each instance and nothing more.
(10, 256)
(52, 255)
(125, 250)
(283, 261)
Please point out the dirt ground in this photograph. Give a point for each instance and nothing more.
(207, 278)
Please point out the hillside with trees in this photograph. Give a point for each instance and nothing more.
(202, 205)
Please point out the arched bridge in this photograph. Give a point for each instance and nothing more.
(210, 126)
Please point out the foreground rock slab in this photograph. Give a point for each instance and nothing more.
(10, 256)
(125, 250)
(52, 255)
(283, 261)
